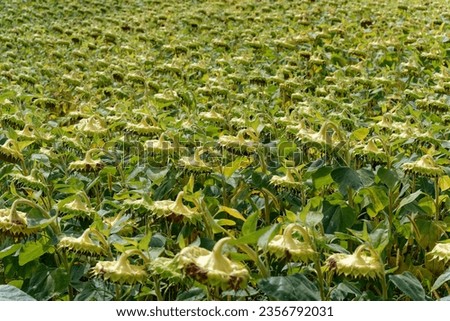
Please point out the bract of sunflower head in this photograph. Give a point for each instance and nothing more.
(212, 267)
(165, 268)
(10, 152)
(83, 244)
(371, 152)
(88, 164)
(364, 262)
(425, 166)
(212, 116)
(15, 224)
(287, 247)
(440, 252)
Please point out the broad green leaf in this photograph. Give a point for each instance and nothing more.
(378, 199)
(10, 250)
(444, 277)
(250, 224)
(193, 294)
(409, 199)
(225, 222)
(11, 293)
(239, 162)
(267, 236)
(251, 238)
(322, 177)
(337, 217)
(31, 251)
(232, 212)
(346, 177)
(409, 285)
(295, 287)
(444, 183)
(388, 177)
(360, 133)
(144, 242)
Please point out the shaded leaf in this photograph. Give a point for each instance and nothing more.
(295, 287)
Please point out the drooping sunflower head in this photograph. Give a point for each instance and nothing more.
(14, 223)
(85, 244)
(425, 166)
(10, 152)
(122, 271)
(364, 262)
(212, 267)
(287, 247)
(88, 164)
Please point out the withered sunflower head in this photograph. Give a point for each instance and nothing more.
(440, 252)
(287, 182)
(212, 268)
(194, 164)
(14, 223)
(10, 152)
(425, 166)
(364, 262)
(85, 244)
(166, 208)
(239, 144)
(285, 246)
(88, 164)
(121, 271)
(91, 126)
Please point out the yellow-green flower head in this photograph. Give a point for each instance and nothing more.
(10, 152)
(212, 268)
(194, 164)
(425, 166)
(91, 126)
(239, 144)
(33, 180)
(167, 208)
(14, 224)
(77, 206)
(286, 247)
(440, 252)
(212, 116)
(322, 138)
(88, 164)
(143, 128)
(287, 181)
(364, 262)
(370, 151)
(85, 244)
(121, 271)
(158, 146)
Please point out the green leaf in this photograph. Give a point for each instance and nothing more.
(144, 242)
(346, 177)
(225, 222)
(232, 212)
(193, 294)
(378, 199)
(30, 251)
(10, 250)
(322, 177)
(444, 277)
(409, 199)
(360, 133)
(409, 285)
(388, 177)
(250, 224)
(337, 218)
(11, 293)
(444, 183)
(295, 287)
(251, 238)
(267, 236)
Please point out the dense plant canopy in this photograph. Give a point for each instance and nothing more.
(199, 150)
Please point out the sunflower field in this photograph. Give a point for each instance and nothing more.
(224, 150)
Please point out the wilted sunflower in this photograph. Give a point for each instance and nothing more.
(286, 247)
(212, 267)
(239, 144)
(167, 208)
(440, 252)
(286, 182)
(195, 164)
(364, 262)
(10, 152)
(425, 166)
(87, 164)
(85, 244)
(121, 271)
